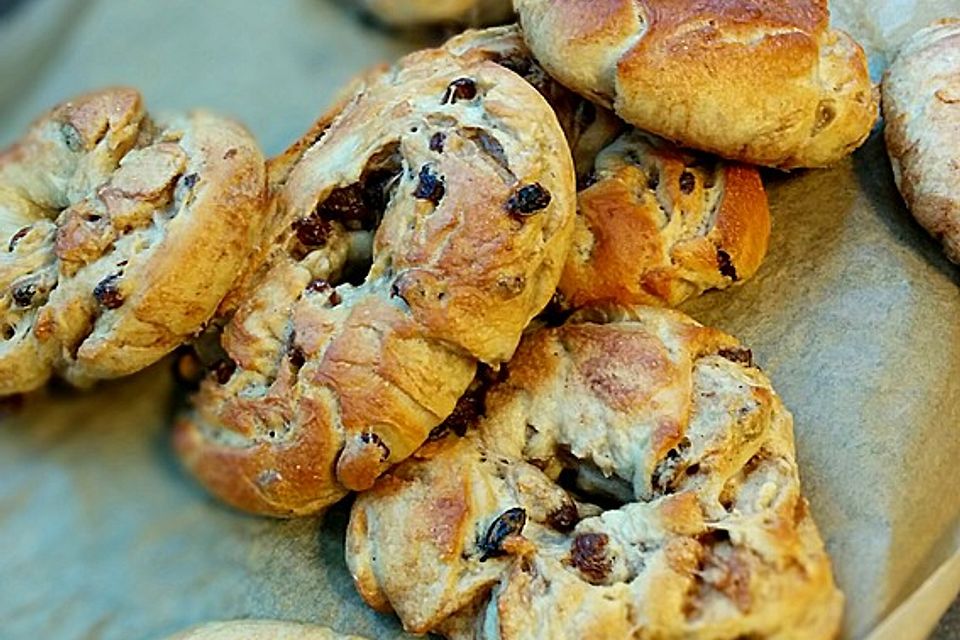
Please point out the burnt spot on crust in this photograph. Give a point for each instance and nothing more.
(688, 182)
(24, 294)
(15, 238)
(369, 438)
(223, 370)
(107, 292)
(738, 355)
(509, 523)
(312, 231)
(528, 200)
(588, 553)
(565, 517)
(437, 140)
(460, 89)
(429, 186)
(725, 265)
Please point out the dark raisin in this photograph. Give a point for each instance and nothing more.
(565, 517)
(223, 370)
(296, 356)
(468, 409)
(334, 299)
(23, 295)
(587, 181)
(374, 439)
(509, 523)
(664, 473)
(725, 264)
(319, 286)
(312, 231)
(460, 89)
(437, 140)
(693, 469)
(688, 182)
(229, 154)
(737, 354)
(345, 203)
(653, 180)
(588, 553)
(16, 238)
(528, 199)
(488, 144)
(520, 65)
(430, 187)
(107, 292)
(190, 180)
(71, 137)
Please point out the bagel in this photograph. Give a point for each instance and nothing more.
(766, 82)
(656, 224)
(633, 475)
(121, 235)
(921, 108)
(417, 230)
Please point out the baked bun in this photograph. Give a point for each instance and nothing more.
(658, 225)
(259, 630)
(765, 82)
(409, 13)
(634, 475)
(921, 108)
(417, 231)
(121, 235)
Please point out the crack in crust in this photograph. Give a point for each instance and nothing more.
(765, 82)
(122, 235)
(710, 536)
(404, 184)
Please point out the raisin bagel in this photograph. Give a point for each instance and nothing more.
(417, 231)
(656, 224)
(122, 233)
(633, 475)
(762, 81)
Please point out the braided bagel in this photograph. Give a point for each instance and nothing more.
(418, 229)
(122, 235)
(765, 82)
(632, 476)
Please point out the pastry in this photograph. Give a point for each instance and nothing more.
(765, 82)
(409, 13)
(633, 475)
(121, 234)
(658, 225)
(921, 108)
(417, 231)
(655, 224)
(259, 630)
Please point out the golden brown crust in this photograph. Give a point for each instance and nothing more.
(497, 534)
(658, 225)
(123, 235)
(921, 108)
(259, 630)
(450, 176)
(764, 82)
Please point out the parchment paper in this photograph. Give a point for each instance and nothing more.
(854, 315)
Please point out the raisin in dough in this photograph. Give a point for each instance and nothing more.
(766, 81)
(453, 184)
(655, 224)
(121, 234)
(633, 476)
(409, 13)
(921, 107)
(259, 630)
(659, 225)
